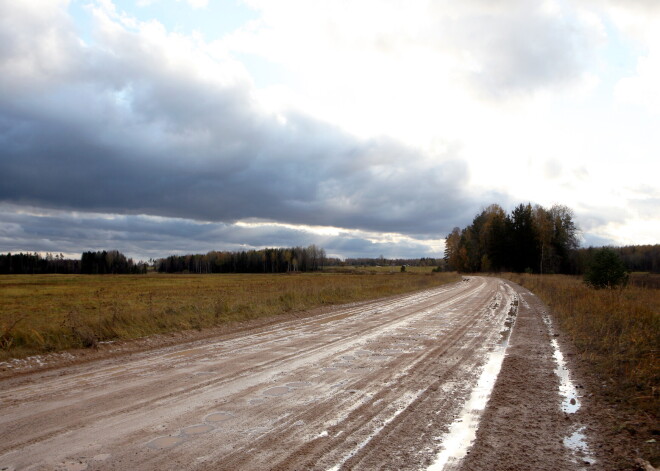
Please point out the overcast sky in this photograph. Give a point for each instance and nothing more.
(369, 127)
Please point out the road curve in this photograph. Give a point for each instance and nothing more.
(375, 385)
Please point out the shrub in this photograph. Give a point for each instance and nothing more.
(606, 270)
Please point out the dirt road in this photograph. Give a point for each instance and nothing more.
(402, 383)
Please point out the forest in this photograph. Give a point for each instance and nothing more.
(90, 263)
(532, 239)
(276, 260)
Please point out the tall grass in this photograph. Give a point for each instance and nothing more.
(617, 331)
(45, 313)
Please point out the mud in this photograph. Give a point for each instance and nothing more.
(377, 385)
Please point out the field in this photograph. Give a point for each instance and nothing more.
(617, 331)
(45, 313)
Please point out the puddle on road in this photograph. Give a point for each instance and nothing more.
(463, 430)
(163, 443)
(570, 397)
(218, 417)
(277, 391)
(570, 404)
(298, 384)
(577, 443)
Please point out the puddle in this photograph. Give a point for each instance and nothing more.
(298, 384)
(570, 404)
(570, 399)
(577, 443)
(217, 417)
(277, 391)
(163, 443)
(197, 429)
(463, 430)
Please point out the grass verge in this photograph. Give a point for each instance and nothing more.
(46, 313)
(616, 331)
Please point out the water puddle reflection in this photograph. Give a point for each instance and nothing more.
(570, 399)
(570, 404)
(577, 443)
(463, 431)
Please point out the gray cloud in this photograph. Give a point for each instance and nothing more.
(177, 156)
(591, 240)
(116, 128)
(143, 237)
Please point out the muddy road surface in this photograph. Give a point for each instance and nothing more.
(464, 376)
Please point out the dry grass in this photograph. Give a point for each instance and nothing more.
(645, 280)
(377, 269)
(43, 313)
(617, 331)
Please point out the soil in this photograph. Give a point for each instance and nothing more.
(377, 385)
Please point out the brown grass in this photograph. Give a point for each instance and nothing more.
(645, 280)
(616, 331)
(45, 313)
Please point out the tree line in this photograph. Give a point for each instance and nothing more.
(275, 260)
(90, 263)
(640, 258)
(384, 262)
(528, 239)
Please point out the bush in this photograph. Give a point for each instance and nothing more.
(606, 270)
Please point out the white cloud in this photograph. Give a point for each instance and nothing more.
(193, 3)
(643, 89)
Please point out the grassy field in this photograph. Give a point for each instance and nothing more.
(45, 313)
(377, 269)
(616, 331)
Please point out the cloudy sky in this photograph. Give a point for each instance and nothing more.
(368, 127)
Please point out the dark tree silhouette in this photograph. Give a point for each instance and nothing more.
(606, 270)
